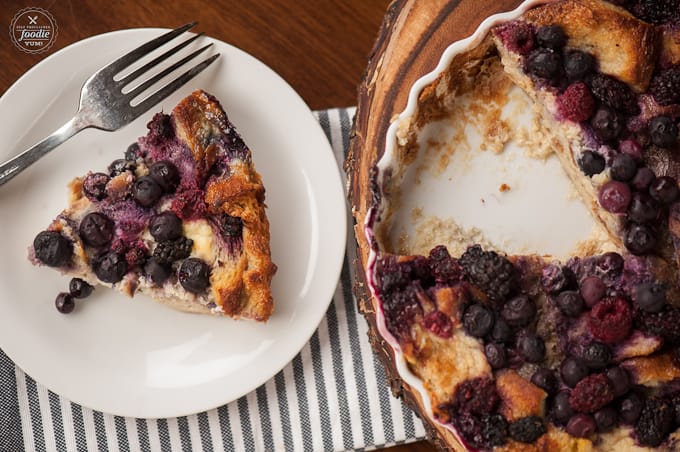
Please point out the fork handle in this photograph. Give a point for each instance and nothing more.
(17, 164)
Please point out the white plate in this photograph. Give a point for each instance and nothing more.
(134, 357)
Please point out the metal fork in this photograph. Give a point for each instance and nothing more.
(104, 105)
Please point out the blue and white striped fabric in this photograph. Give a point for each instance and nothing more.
(333, 395)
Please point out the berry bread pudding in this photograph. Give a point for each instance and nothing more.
(528, 351)
(181, 218)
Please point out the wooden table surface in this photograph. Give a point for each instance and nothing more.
(320, 47)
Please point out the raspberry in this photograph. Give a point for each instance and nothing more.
(401, 309)
(439, 323)
(591, 394)
(476, 396)
(655, 422)
(665, 323)
(614, 93)
(657, 11)
(494, 274)
(611, 320)
(665, 86)
(517, 36)
(189, 204)
(136, 253)
(445, 269)
(576, 103)
(170, 251)
(160, 128)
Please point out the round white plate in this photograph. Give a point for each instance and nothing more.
(133, 357)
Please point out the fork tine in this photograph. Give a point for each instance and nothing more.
(130, 57)
(135, 74)
(142, 86)
(173, 86)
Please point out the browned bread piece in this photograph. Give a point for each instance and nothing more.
(181, 219)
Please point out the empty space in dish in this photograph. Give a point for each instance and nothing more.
(485, 173)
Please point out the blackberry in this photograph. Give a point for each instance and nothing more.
(438, 323)
(614, 93)
(665, 323)
(657, 11)
(476, 396)
(492, 273)
(160, 128)
(445, 269)
(402, 307)
(655, 422)
(494, 430)
(527, 429)
(665, 86)
(169, 251)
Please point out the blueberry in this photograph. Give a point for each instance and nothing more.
(632, 148)
(561, 410)
(643, 179)
(605, 418)
(496, 355)
(232, 226)
(643, 209)
(94, 186)
(165, 226)
(607, 124)
(591, 163)
(623, 167)
(531, 347)
(478, 320)
(544, 63)
(581, 425)
(610, 265)
(639, 239)
(592, 290)
(619, 379)
(578, 64)
(119, 166)
(165, 174)
(501, 332)
(615, 196)
(96, 229)
(572, 371)
(664, 189)
(79, 288)
(194, 275)
(519, 311)
(146, 191)
(555, 279)
(53, 249)
(110, 267)
(545, 379)
(551, 36)
(570, 303)
(157, 272)
(132, 152)
(596, 355)
(651, 297)
(631, 407)
(64, 303)
(663, 131)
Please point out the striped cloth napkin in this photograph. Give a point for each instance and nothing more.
(333, 395)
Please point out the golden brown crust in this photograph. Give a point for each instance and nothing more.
(240, 284)
(519, 397)
(624, 46)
